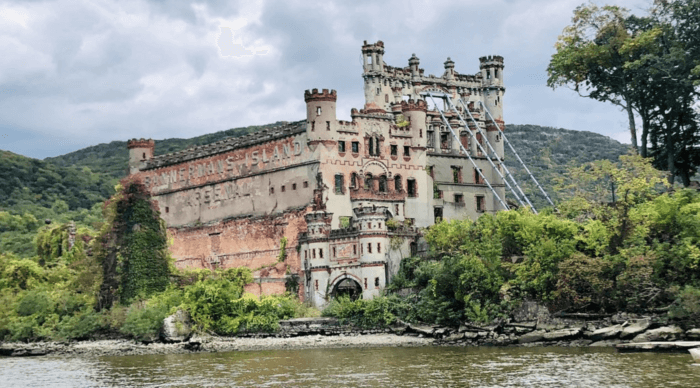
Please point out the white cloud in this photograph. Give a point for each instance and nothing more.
(96, 71)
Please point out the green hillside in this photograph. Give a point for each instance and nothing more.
(113, 158)
(548, 152)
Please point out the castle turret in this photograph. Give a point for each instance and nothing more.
(373, 56)
(449, 69)
(320, 114)
(140, 150)
(415, 112)
(413, 63)
(493, 91)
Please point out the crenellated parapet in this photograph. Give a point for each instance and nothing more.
(324, 95)
(140, 143)
(411, 105)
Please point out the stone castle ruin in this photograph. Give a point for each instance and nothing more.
(348, 198)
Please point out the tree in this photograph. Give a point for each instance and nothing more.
(649, 65)
(132, 247)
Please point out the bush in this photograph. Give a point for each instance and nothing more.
(687, 305)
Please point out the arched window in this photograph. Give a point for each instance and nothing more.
(368, 182)
(397, 183)
(353, 180)
(382, 184)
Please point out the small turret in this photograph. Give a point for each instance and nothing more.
(413, 63)
(140, 150)
(415, 112)
(373, 56)
(449, 69)
(320, 114)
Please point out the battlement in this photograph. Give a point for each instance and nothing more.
(325, 95)
(491, 60)
(411, 105)
(373, 47)
(370, 211)
(140, 143)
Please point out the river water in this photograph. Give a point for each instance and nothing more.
(363, 367)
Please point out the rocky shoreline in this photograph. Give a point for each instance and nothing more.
(628, 333)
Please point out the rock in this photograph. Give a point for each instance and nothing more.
(531, 311)
(455, 337)
(177, 327)
(635, 328)
(605, 344)
(604, 333)
(534, 336)
(421, 329)
(666, 333)
(693, 334)
(562, 334)
(440, 332)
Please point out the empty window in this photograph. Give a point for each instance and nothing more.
(272, 190)
(438, 214)
(313, 253)
(456, 174)
(313, 126)
(334, 252)
(167, 209)
(282, 188)
(376, 282)
(480, 141)
(353, 180)
(320, 253)
(341, 146)
(382, 184)
(445, 140)
(464, 138)
(411, 187)
(379, 247)
(396, 209)
(478, 179)
(318, 110)
(368, 182)
(431, 138)
(365, 283)
(369, 247)
(328, 125)
(379, 91)
(354, 249)
(369, 59)
(306, 254)
(371, 146)
(397, 183)
(394, 150)
(144, 156)
(339, 189)
(294, 186)
(305, 184)
(406, 150)
(316, 284)
(459, 198)
(386, 98)
(480, 203)
(498, 137)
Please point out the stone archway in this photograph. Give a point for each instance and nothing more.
(347, 286)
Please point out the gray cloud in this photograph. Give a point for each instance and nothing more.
(74, 74)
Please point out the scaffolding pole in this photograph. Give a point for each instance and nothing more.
(478, 170)
(518, 156)
(512, 178)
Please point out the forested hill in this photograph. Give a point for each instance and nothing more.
(113, 158)
(548, 152)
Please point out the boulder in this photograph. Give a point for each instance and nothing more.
(605, 344)
(177, 327)
(693, 334)
(635, 328)
(455, 337)
(534, 336)
(421, 329)
(530, 311)
(666, 333)
(563, 334)
(604, 333)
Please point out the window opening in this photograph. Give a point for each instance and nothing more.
(397, 183)
(379, 247)
(438, 214)
(411, 189)
(272, 190)
(406, 151)
(294, 186)
(320, 253)
(369, 247)
(480, 204)
(339, 184)
(305, 184)
(318, 110)
(355, 147)
(394, 150)
(382, 184)
(376, 282)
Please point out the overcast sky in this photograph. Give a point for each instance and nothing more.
(78, 73)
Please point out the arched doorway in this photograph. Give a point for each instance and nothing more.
(348, 287)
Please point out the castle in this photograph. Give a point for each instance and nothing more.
(322, 206)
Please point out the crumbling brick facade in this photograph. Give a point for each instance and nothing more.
(329, 186)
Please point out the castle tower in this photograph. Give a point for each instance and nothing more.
(140, 150)
(413, 63)
(374, 245)
(373, 57)
(449, 69)
(316, 256)
(415, 112)
(320, 114)
(493, 91)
